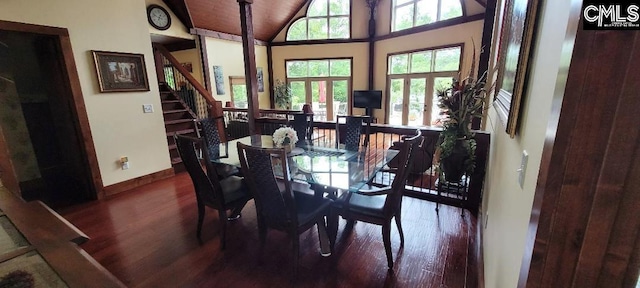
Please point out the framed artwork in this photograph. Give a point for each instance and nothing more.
(219, 79)
(120, 72)
(514, 52)
(260, 79)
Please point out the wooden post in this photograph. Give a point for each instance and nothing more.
(250, 70)
(202, 45)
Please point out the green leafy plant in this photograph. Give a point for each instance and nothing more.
(282, 95)
(461, 103)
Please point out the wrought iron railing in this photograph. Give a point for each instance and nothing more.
(423, 182)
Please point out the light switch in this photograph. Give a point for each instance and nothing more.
(523, 168)
(147, 108)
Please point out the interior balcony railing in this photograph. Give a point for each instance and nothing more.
(423, 182)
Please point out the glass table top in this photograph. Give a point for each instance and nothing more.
(330, 167)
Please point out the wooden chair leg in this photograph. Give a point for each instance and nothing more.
(399, 224)
(386, 238)
(332, 226)
(223, 227)
(200, 220)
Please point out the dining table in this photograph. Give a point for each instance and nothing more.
(329, 171)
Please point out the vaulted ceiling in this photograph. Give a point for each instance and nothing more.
(224, 15)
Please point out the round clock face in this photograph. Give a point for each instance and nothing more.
(158, 17)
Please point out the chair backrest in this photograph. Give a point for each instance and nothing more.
(303, 125)
(208, 190)
(211, 135)
(349, 131)
(408, 149)
(276, 207)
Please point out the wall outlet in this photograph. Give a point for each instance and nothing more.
(523, 168)
(124, 162)
(125, 165)
(147, 108)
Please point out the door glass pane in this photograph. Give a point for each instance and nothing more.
(319, 100)
(298, 95)
(439, 84)
(427, 12)
(396, 91)
(239, 95)
(340, 93)
(417, 90)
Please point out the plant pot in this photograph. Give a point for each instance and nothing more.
(453, 166)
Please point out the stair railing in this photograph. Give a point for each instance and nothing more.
(187, 88)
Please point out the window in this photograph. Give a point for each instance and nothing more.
(325, 19)
(238, 91)
(412, 13)
(325, 84)
(413, 81)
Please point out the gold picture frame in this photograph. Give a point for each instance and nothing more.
(516, 40)
(120, 72)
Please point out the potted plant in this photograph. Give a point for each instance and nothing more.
(282, 95)
(461, 103)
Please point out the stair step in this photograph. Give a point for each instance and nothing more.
(175, 111)
(170, 101)
(177, 121)
(176, 160)
(173, 146)
(180, 132)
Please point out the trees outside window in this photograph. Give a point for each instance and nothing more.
(412, 13)
(325, 19)
(323, 83)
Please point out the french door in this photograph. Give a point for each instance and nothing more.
(413, 98)
(328, 97)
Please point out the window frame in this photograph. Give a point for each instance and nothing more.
(308, 79)
(429, 75)
(328, 17)
(394, 7)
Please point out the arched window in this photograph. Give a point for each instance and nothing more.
(412, 13)
(325, 19)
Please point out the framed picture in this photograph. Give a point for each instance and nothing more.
(260, 78)
(121, 72)
(218, 77)
(516, 40)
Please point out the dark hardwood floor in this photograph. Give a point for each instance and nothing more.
(146, 238)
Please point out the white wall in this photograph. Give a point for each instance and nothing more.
(117, 123)
(509, 206)
(229, 55)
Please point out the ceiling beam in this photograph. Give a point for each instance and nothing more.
(223, 36)
(179, 7)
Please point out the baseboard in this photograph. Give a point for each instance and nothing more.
(137, 182)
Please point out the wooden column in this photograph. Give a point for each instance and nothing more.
(202, 45)
(250, 70)
(372, 34)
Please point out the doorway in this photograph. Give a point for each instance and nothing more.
(39, 122)
(413, 98)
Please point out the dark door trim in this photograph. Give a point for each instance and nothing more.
(70, 73)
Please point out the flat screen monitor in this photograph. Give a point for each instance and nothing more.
(367, 99)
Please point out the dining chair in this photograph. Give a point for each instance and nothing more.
(278, 206)
(209, 131)
(303, 125)
(228, 194)
(378, 205)
(349, 131)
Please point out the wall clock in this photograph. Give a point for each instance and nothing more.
(158, 17)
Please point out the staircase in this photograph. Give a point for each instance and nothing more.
(184, 101)
(178, 119)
